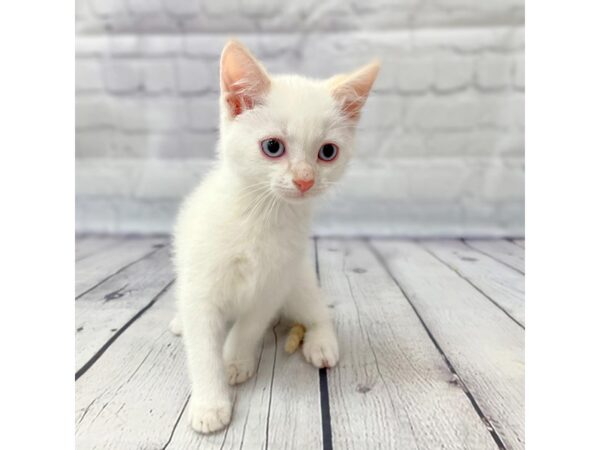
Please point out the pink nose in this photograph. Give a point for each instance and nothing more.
(304, 185)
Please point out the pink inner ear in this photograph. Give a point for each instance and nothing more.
(352, 108)
(243, 80)
(238, 103)
(352, 90)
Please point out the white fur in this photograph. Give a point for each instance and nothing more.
(241, 240)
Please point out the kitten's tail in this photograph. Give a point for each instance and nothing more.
(294, 338)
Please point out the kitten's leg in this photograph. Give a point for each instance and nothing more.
(241, 346)
(305, 305)
(203, 335)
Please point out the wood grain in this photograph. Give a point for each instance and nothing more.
(277, 408)
(407, 378)
(482, 344)
(392, 388)
(88, 245)
(502, 285)
(102, 312)
(504, 251)
(132, 397)
(89, 272)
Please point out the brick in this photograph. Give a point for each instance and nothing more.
(382, 6)
(470, 40)
(391, 144)
(159, 76)
(161, 45)
(151, 114)
(122, 75)
(446, 113)
(414, 76)
(145, 7)
(93, 143)
(82, 11)
(500, 183)
(120, 45)
(221, 7)
(439, 181)
(149, 145)
(199, 145)
(519, 73)
(91, 46)
(502, 111)
(382, 112)
(93, 112)
(107, 7)
(183, 7)
(192, 76)
(477, 143)
(206, 46)
(493, 71)
(386, 80)
(260, 8)
(88, 75)
(203, 113)
(452, 73)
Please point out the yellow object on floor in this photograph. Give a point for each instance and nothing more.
(294, 338)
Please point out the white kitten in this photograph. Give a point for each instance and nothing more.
(241, 238)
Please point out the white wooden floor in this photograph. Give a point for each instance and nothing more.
(432, 352)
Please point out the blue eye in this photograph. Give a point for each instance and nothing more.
(272, 147)
(328, 152)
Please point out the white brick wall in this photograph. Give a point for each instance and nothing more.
(441, 146)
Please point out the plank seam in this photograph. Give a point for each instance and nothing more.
(252, 393)
(492, 256)
(490, 427)
(271, 389)
(513, 241)
(126, 266)
(323, 379)
(83, 369)
(477, 288)
(176, 422)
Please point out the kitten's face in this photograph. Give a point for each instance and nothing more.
(287, 134)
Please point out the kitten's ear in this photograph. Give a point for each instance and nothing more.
(243, 79)
(353, 89)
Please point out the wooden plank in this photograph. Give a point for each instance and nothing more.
(506, 252)
(91, 271)
(277, 408)
(251, 409)
(295, 414)
(483, 345)
(133, 396)
(392, 388)
(504, 286)
(102, 312)
(88, 245)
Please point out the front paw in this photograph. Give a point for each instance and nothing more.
(320, 348)
(207, 418)
(240, 370)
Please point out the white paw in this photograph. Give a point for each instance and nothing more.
(239, 371)
(175, 326)
(320, 348)
(209, 418)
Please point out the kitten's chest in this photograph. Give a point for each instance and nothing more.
(269, 254)
(266, 262)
